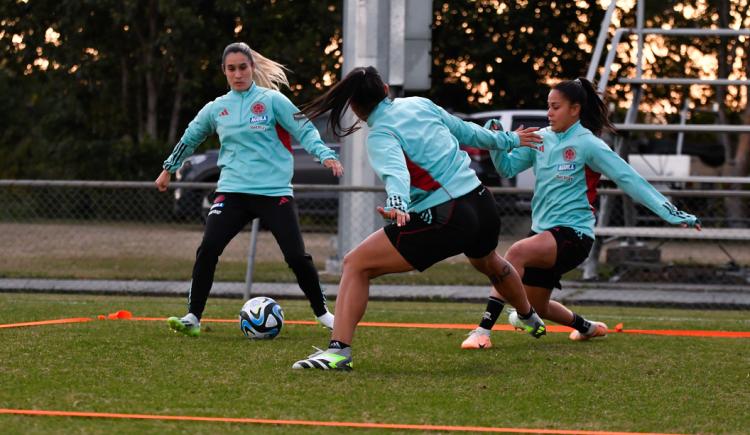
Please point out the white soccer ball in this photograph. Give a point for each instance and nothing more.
(261, 318)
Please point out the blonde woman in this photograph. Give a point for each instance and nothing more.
(254, 122)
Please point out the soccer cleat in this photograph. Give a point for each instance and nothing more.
(477, 339)
(514, 320)
(188, 325)
(599, 329)
(534, 325)
(326, 320)
(330, 359)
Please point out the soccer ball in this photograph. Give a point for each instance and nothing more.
(261, 317)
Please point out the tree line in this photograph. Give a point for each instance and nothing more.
(102, 89)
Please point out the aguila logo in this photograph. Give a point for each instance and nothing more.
(569, 154)
(258, 108)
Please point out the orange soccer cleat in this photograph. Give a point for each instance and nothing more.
(599, 330)
(478, 339)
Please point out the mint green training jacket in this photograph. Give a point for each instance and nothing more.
(567, 167)
(256, 152)
(413, 147)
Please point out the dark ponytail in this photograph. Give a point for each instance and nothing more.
(362, 87)
(594, 112)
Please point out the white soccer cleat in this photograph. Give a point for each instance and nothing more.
(514, 320)
(326, 320)
(188, 325)
(330, 359)
(534, 325)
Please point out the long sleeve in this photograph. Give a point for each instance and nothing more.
(388, 161)
(471, 134)
(301, 128)
(197, 131)
(508, 164)
(602, 159)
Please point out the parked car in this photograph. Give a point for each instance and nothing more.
(194, 203)
(482, 163)
(202, 167)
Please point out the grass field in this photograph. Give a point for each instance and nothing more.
(638, 383)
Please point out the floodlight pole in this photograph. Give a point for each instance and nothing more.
(401, 54)
(365, 44)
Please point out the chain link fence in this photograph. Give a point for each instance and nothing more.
(129, 230)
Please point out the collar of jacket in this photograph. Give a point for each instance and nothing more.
(561, 136)
(244, 93)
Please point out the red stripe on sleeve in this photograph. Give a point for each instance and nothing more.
(284, 137)
(592, 179)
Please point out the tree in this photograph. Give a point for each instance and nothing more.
(105, 87)
(503, 54)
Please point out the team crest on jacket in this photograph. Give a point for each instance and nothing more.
(569, 154)
(258, 108)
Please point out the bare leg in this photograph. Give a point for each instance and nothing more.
(540, 251)
(551, 310)
(505, 281)
(373, 257)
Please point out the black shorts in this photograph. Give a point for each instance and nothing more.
(469, 224)
(572, 249)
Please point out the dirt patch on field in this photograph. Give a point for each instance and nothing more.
(181, 241)
(31, 240)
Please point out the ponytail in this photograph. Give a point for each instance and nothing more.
(362, 87)
(594, 113)
(267, 73)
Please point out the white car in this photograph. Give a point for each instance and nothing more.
(510, 120)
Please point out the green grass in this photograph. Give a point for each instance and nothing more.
(623, 383)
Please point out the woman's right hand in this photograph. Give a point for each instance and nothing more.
(162, 181)
(399, 216)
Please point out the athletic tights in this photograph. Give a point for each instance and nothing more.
(229, 213)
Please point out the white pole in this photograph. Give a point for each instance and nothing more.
(251, 258)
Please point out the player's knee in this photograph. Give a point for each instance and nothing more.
(351, 260)
(209, 248)
(516, 254)
(354, 262)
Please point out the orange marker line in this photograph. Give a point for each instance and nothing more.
(550, 328)
(423, 427)
(47, 322)
(689, 333)
(466, 326)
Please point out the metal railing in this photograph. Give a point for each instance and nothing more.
(128, 230)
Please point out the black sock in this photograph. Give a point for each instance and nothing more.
(582, 325)
(494, 308)
(527, 315)
(319, 310)
(335, 344)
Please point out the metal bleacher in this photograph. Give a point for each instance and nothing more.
(638, 86)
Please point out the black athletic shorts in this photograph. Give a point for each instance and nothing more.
(572, 249)
(469, 224)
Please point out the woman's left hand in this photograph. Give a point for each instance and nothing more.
(335, 167)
